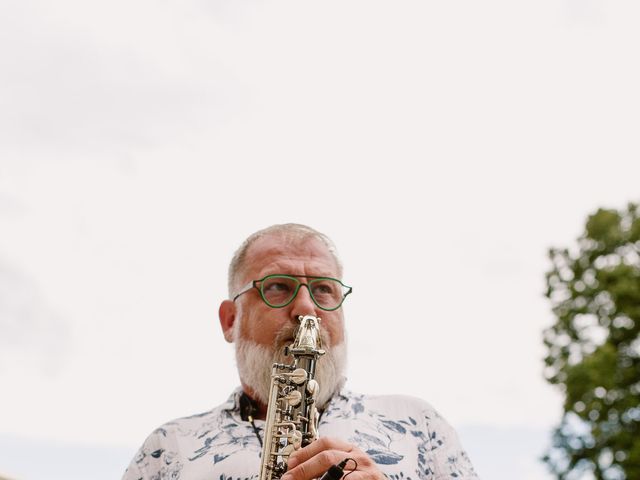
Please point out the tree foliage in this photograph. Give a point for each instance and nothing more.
(593, 349)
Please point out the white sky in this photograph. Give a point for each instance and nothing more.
(444, 146)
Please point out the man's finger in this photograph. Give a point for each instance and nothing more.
(313, 449)
(316, 466)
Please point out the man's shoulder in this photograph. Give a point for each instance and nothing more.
(392, 428)
(406, 400)
(198, 423)
(384, 404)
(190, 421)
(184, 441)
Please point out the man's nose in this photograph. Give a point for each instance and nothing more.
(303, 304)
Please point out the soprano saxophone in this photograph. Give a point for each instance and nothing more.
(292, 416)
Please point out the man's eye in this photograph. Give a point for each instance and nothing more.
(323, 289)
(277, 287)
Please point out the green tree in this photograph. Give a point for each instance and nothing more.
(593, 349)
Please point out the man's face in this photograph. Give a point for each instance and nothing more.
(267, 255)
(261, 332)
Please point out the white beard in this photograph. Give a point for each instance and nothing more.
(255, 362)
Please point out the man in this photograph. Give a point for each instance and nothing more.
(276, 275)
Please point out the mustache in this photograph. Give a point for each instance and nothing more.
(286, 335)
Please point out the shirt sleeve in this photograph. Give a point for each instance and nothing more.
(154, 460)
(133, 472)
(445, 458)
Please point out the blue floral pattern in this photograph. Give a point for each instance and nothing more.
(405, 436)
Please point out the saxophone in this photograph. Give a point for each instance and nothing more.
(292, 416)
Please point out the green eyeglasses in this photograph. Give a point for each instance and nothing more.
(278, 291)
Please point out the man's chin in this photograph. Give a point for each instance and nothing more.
(255, 362)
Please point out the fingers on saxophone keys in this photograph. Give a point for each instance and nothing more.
(313, 467)
(320, 445)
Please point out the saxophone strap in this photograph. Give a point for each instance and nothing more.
(248, 409)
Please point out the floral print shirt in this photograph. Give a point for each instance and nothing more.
(405, 436)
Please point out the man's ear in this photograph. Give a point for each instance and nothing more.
(227, 315)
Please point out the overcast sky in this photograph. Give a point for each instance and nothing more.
(444, 146)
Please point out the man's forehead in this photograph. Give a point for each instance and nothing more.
(289, 252)
(285, 245)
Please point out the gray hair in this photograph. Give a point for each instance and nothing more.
(287, 231)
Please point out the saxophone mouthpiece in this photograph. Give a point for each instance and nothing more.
(308, 336)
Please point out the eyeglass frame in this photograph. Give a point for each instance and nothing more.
(254, 284)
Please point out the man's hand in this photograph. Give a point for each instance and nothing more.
(315, 459)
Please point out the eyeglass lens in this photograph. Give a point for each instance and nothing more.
(280, 290)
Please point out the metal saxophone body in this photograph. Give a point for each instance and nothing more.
(292, 416)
